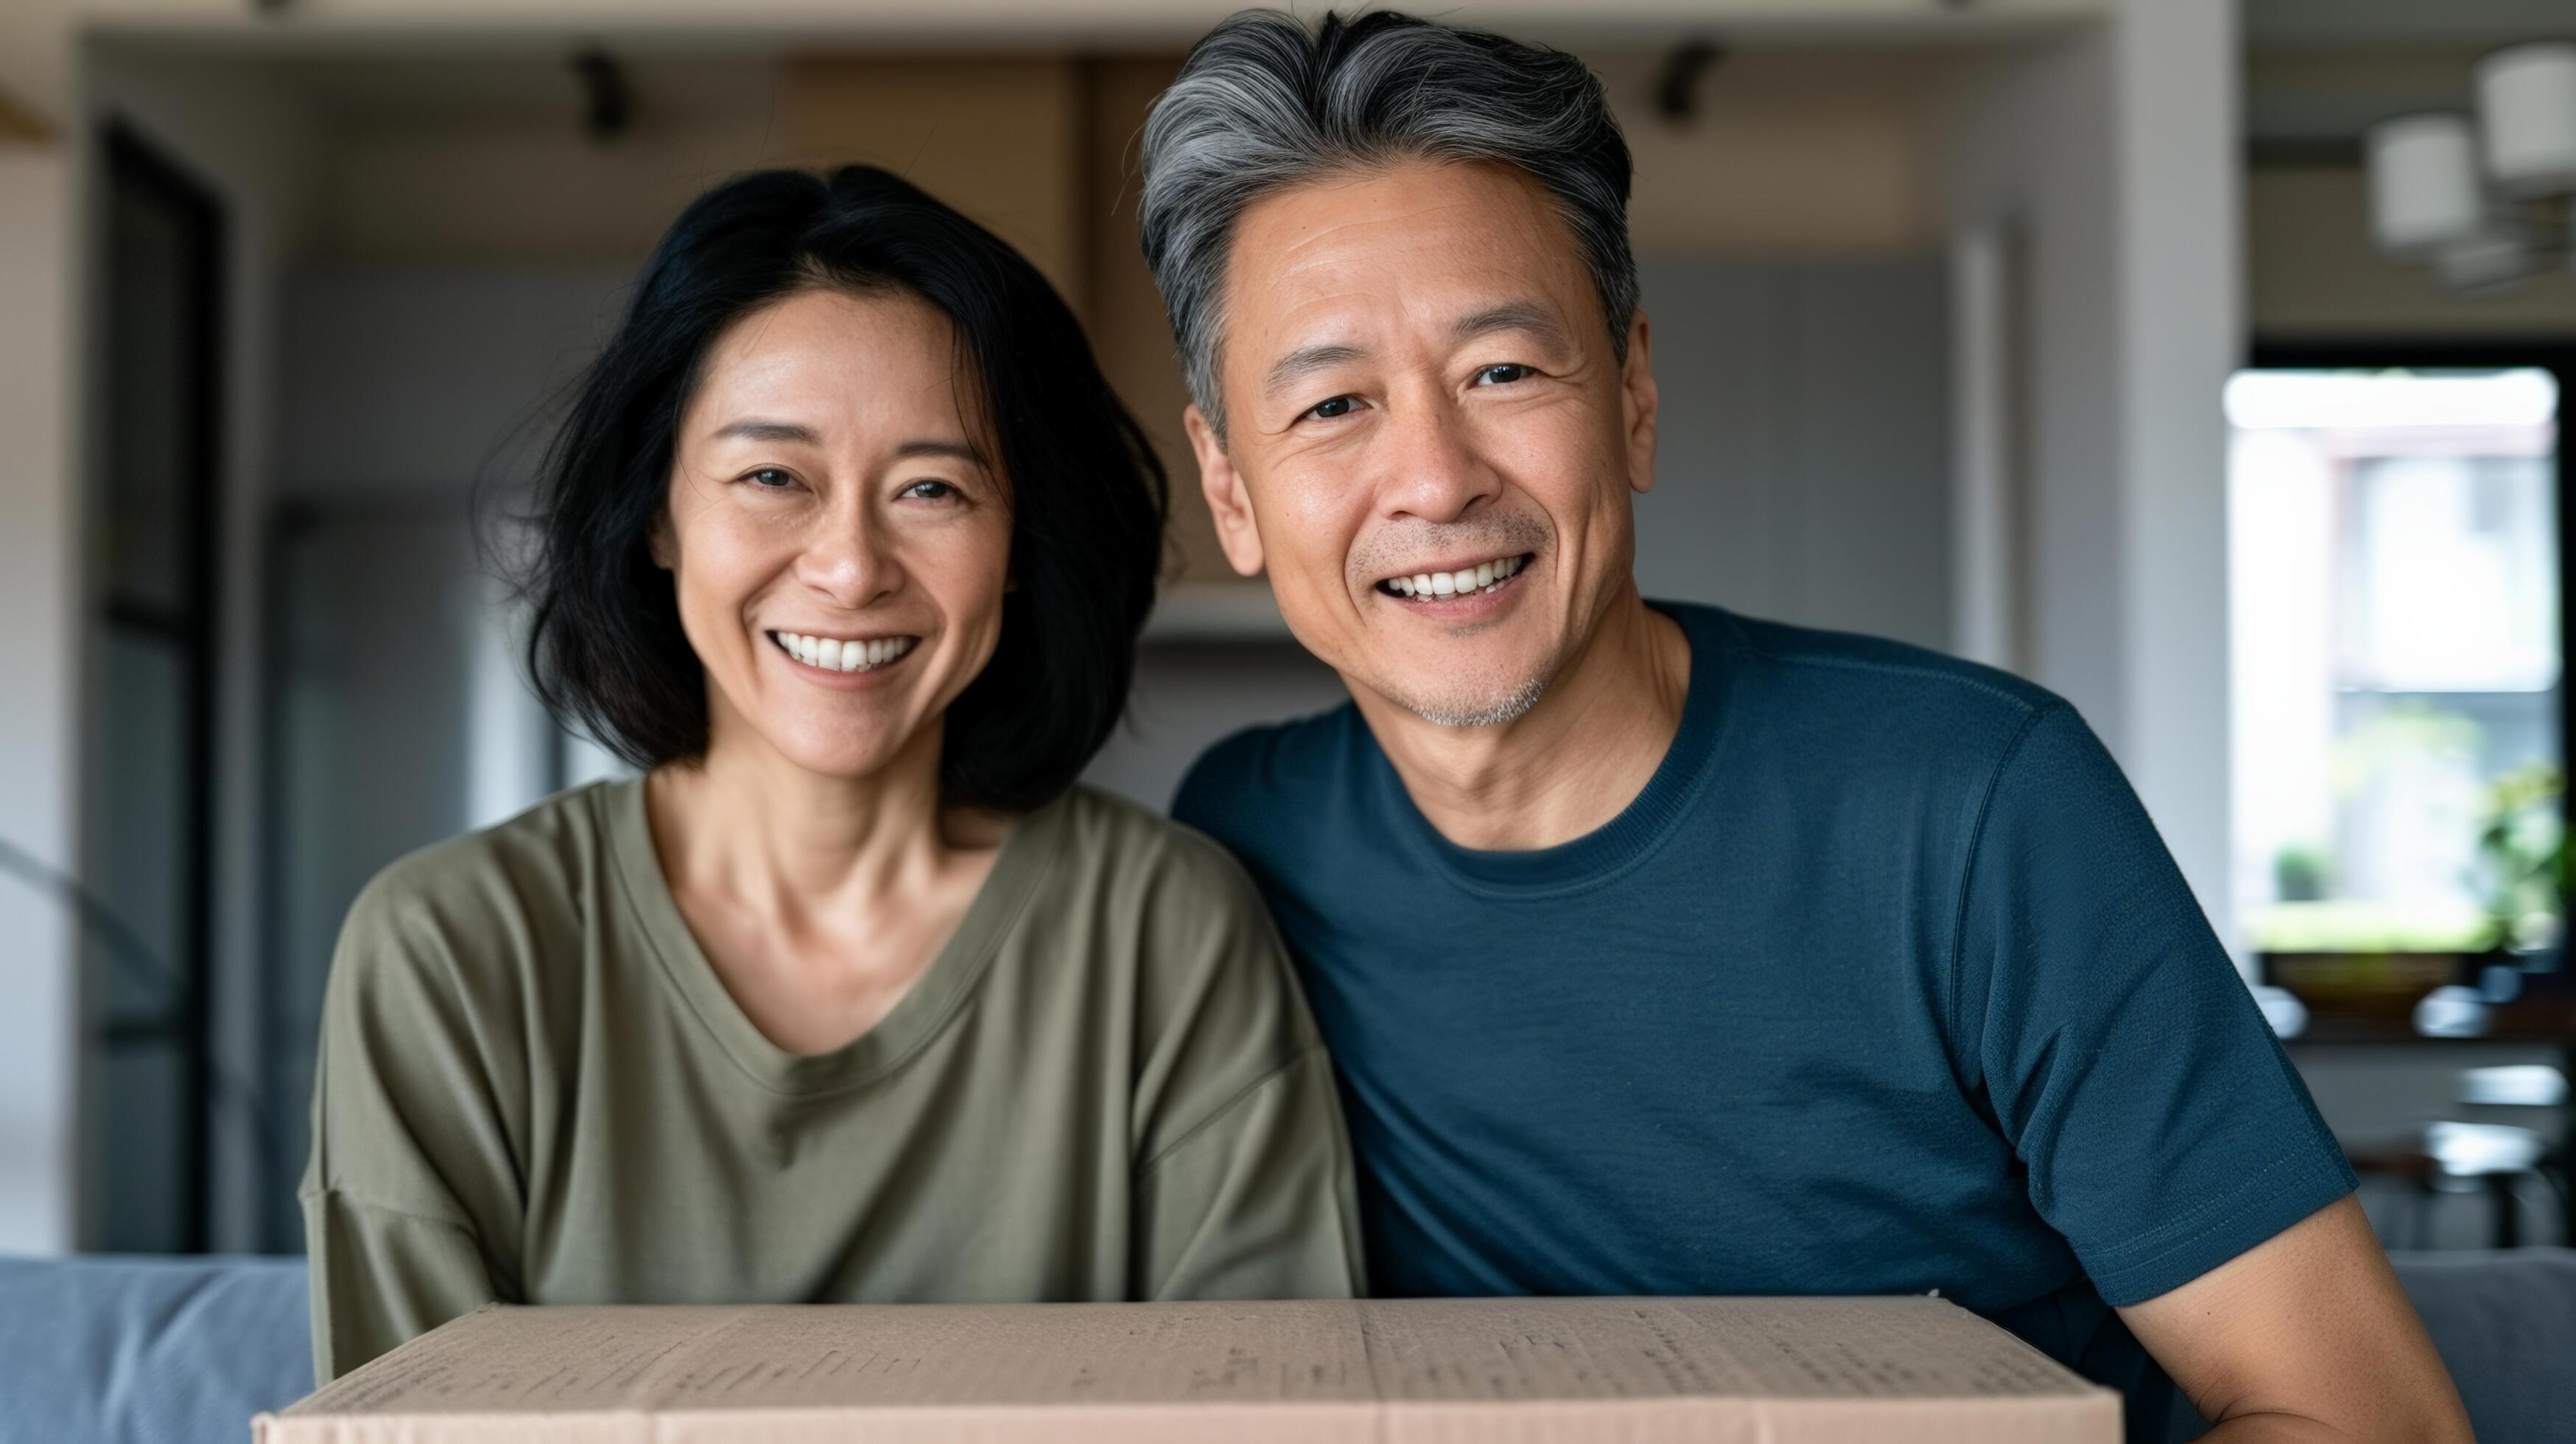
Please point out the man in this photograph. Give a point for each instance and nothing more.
(1664, 951)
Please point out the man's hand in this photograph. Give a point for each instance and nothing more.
(2304, 1337)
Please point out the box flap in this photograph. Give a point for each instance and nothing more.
(1482, 1370)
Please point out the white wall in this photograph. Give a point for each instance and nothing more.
(38, 659)
(2182, 331)
(1802, 455)
(2113, 155)
(2032, 153)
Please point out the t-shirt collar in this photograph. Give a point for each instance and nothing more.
(1609, 850)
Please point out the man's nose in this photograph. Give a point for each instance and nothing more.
(1434, 471)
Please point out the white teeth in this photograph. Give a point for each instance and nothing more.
(834, 655)
(1463, 582)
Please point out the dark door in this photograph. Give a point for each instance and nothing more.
(148, 1079)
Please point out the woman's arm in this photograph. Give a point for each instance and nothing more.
(410, 1162)
(380, 1278)
(1244, 1186)
(1257, 1203)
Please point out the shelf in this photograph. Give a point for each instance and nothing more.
(1216, 612)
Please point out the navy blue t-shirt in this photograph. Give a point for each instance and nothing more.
(1884, 984)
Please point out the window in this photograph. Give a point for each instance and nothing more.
(2395, 601)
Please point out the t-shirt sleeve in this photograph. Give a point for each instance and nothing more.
(1244, 1183)
(2163, 1128)
(1258, 1202)
(380, 1278)
(409, 1152)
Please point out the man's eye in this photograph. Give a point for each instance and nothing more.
(1328, 410)
(1504, 375)
(771, 478)
(929, 490)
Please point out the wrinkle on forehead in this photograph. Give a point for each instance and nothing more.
(1312, 261)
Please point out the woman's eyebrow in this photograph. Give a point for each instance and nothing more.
(955, 449)
(759, 429)
(754, 428)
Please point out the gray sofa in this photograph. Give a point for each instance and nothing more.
(184, 1351)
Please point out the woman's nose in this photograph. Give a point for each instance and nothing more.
(846, 559)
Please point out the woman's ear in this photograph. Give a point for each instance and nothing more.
(664, 547)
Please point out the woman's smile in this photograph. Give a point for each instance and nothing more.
(835, 657)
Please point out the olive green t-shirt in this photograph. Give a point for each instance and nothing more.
(533, 1087)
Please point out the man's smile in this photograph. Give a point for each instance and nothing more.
(1460, 580)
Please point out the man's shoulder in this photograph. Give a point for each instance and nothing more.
(1821, 663)
(1247, 774)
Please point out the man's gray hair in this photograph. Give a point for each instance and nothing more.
(1264, 102)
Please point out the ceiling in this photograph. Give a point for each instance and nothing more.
(2345, 24)
(2320, 72)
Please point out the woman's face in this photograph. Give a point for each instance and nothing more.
(838, 530)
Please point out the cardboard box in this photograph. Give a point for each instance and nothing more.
(1467, 1371)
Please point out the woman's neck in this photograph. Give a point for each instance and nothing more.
(819, 901)
(746, 824)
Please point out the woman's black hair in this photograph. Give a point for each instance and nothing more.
(1088, 498)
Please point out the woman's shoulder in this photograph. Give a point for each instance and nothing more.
(1158, 898)
(491, 892)
(1112, 841)
(1178, 923)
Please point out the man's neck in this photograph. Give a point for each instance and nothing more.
(1568, 765)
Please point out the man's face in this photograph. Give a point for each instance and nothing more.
(1429, 442)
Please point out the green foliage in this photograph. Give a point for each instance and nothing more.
(2522, 857)
(2302, 873)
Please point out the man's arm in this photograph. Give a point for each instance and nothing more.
(2305, 1336)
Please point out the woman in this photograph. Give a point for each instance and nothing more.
(854, 995)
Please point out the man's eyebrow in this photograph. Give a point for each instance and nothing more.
(1305, 361)
(756, 428)
(1527, 316)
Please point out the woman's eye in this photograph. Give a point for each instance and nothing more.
(1504, 375)
(929, 490)
(1339, 406)
(771, 478)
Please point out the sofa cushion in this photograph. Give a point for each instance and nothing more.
(2505, 1321)
(112, 1350)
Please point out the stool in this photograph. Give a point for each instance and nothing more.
(2464, 1157)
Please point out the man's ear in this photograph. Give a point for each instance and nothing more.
(1227, 500)
(1639, 402)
